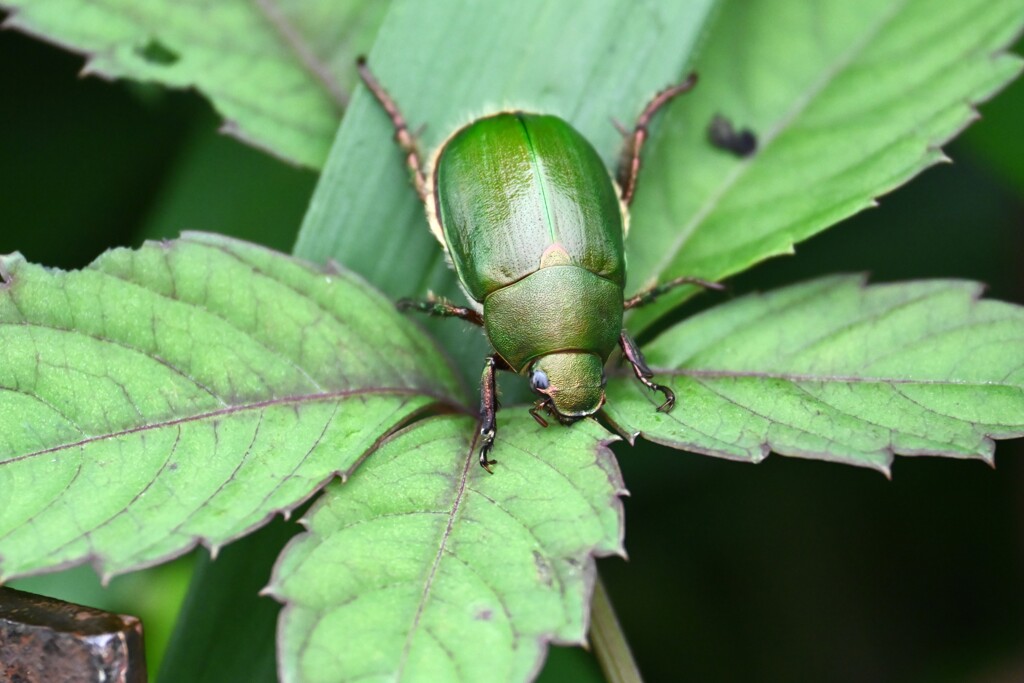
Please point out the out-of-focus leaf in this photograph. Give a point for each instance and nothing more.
(999, 141)
(277, 70)
(217, 185)
(225, 630)
(848, 100)
(186, 392)
(423, 567)
(837, 371)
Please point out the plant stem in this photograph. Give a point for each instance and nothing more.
(608, 640)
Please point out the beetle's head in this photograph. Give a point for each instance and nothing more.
(570, 384)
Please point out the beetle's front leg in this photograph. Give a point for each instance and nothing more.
(489, 409)
(403, 137)
(648, 295)
(441, 308)
(629, 162)
(644, 373)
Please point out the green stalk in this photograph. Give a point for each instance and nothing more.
(608, 640)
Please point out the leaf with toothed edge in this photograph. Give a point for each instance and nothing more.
(186, 392)
(423, 567)
(279, 71)
(848, 101)
(836, 370)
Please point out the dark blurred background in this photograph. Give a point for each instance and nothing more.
(786, 571)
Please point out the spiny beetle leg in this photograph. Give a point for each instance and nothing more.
(403, 137)
(644, 373)
(441, 308)
(629, 162)
(647, 296)
(488, 410)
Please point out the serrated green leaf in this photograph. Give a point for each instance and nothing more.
(279, 71)
(835, 370)
(423, 567)
(185, 392)
(848, 100)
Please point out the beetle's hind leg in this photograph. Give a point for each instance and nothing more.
(629, 162)
(405, 139)
(441, 308)
(644, 373)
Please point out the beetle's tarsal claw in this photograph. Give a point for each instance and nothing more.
(670, 398)
(487, 439)
(484, 461)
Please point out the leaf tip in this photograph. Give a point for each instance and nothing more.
(628, 435)
(89, 69)
(6, 276)
(988, 452)
(333, 267)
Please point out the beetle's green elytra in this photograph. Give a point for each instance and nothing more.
(533, 224)
(507, 188)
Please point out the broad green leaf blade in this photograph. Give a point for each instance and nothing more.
(849, 100)
(835, 370)
(279, 71)
(186, 392)
(364, 212)
(463, 576)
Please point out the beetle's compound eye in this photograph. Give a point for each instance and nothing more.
(539, 380)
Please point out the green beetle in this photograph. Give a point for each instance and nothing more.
(533, 225)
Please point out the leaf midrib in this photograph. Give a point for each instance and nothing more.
(808, 377)
(429, 583)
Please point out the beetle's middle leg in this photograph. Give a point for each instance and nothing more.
(648, 295)
(629, 162)
(441, 308)
(403, 137)
(644, 373)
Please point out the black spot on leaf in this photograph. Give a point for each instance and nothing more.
(157, 53)
(723, 135)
